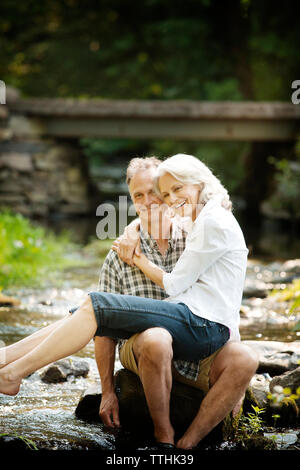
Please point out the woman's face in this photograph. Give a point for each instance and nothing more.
(182, 197)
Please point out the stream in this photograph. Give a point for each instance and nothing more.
(44, 412)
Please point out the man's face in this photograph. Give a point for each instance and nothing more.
(147, 203)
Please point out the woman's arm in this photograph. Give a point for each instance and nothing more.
(206, 246)
(150, 269)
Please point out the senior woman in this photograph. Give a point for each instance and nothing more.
(205, 287)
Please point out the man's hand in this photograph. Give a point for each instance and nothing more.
(128, 244)
(109, 410)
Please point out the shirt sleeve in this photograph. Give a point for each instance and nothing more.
(204, 246)
(110, 278)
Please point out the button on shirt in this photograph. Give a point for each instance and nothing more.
(210, 274)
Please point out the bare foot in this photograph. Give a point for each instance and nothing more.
(186, 442)
(8, 386)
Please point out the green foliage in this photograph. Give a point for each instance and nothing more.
(155, 49)
(250, 434)
(253, 422)
(28, 254)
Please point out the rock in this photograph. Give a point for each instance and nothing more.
(279, 411)
(134, 413)
(276, 357)
(259, 386)
(289, 379)
(87, 408)
(282, 440)
(13, 443)
(6, 301)
(16, 161)
(61, 370)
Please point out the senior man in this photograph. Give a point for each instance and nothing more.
(223, 376)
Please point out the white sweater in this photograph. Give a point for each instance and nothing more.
(210, 274)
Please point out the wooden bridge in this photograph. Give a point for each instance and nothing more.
(42, 169)
(184, 120)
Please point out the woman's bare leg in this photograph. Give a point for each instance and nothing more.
(68, 338)
(16, 350)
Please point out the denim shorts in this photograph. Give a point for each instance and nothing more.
(121, 316)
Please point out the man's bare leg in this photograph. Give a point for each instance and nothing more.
(68, 338)
(230, 375)
(153, 351)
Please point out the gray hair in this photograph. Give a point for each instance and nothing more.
(140, 164)
(190, 170)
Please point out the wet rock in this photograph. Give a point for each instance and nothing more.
(259, 386)
(276, 357)
(7, 301)
(289, 379)
(88, 406)
(282, 440)
(61, 370)
(279, 408)
(14, 442)
(134, 413)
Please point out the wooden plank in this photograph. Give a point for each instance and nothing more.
(172, 109)
(204, 129)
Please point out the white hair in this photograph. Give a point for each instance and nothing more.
(190, 170)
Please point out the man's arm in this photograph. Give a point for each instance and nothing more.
(105, 358)
(105, 347)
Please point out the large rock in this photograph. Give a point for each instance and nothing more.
(134, 413)
(276, 357)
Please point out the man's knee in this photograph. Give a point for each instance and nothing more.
(236, 358)
(154, 346)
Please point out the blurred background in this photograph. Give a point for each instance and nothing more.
(154, 50)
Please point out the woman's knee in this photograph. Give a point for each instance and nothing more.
(86, 307)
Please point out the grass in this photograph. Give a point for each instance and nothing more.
(28, 253)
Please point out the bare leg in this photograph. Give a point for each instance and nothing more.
(153, 351)
(68, 338)
(230, 375)
(16, 350)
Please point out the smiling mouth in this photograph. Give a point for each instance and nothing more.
(179, 205)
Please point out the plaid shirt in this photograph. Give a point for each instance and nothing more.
(119, 278)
